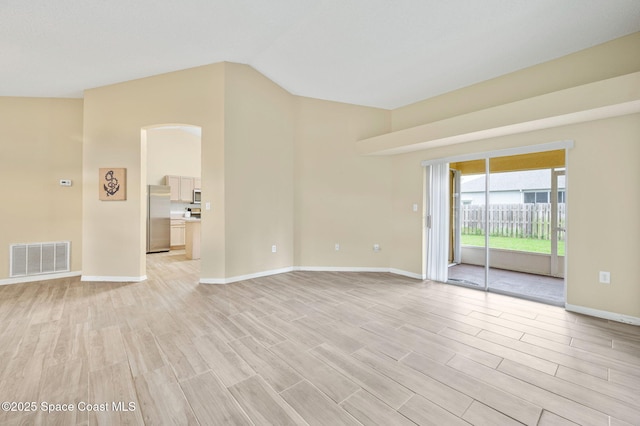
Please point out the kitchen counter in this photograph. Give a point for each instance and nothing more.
(192, 237)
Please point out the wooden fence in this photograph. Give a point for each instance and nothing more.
(512, 220)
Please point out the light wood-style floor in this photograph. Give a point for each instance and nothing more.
(308, 348)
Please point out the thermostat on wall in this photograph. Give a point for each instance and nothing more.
(65, 182)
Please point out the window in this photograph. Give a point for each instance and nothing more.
(534, 197)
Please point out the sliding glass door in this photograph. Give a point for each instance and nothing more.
(505, 224)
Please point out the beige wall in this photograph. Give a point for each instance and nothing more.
(172, 151)
(41, 143)
(114, 232)
(602, 228)
(604, 200)
(602, 173)
(247, 168)
(340, 197)
(259, 124)
(284, 170)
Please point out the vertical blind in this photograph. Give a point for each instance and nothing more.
(437, 221)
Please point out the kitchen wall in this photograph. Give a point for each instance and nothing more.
(172, 151)
(41, 143)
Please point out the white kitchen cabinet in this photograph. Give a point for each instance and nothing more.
(177, 233)
(182, 187)
(186, 189)
(192, 238)
(174, 183)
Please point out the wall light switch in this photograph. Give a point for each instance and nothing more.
(605, 277)
(274, 248)
(337, 247)
(415, 207)
(65, 182)
(376, 247)
(207, 206)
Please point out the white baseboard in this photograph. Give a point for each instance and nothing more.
(43, 277)
(627, 319)
(358, 269)
(245, 277)
(308, 269)
(408, 274)
(339, 269)
(113, 279)
(124, 279)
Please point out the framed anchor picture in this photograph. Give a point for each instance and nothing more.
(112, 184)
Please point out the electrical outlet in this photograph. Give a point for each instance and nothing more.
(274, 248)
(337, 247)
(376, 247)
(605, 277)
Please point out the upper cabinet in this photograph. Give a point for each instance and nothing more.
(182, 187)
(186, 188)
(174, 183)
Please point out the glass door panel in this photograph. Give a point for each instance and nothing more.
(469, 254)
(524, 223)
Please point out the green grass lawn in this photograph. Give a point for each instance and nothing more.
(520, 244)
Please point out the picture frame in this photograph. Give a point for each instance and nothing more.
(112, 184)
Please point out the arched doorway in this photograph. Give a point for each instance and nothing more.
(171, 179)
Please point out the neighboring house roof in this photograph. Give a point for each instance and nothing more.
(528, 180)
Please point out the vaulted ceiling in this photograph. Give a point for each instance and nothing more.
(383, 53)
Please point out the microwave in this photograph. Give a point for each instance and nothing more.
(197, 196)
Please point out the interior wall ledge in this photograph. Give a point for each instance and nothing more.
(594, 101)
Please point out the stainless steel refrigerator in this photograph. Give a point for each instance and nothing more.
(158, 218)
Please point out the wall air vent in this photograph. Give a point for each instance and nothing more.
(39, 258)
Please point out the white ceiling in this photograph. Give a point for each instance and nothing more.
(384, 53)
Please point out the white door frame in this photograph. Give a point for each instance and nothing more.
(555, 229)
(457, 217)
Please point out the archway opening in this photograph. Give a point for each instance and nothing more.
(171, 157)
